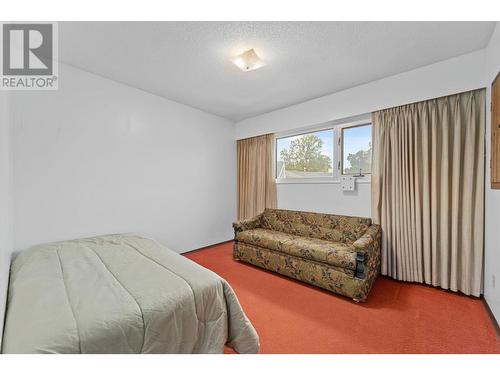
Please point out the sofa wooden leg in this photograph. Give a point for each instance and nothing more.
(360, 265)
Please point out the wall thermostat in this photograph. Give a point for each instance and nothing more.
(347, 183)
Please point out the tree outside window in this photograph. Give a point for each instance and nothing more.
(306, 155)
(357, 150)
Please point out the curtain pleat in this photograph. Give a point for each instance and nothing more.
(256, 183)
(428, 190)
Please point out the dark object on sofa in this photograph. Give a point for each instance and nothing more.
(337, 253)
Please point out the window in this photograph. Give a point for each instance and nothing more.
(357, 149)
(305, 155)
(325, 154)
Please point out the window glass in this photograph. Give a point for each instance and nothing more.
(357, 150)
(307, 155)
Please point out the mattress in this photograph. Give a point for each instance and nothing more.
(120, 294)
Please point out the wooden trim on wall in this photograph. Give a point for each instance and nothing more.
(495, 133)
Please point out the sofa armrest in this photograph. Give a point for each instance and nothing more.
(367, 241)
(368, 250)
(241, 225)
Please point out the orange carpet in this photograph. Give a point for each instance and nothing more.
(293, 317)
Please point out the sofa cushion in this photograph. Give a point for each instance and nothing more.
(326, 227)
(332, 253)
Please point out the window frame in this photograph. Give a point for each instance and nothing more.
(337, 162)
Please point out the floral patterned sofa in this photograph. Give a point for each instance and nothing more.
(337, 253)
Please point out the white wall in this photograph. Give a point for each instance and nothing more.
(6, 242)
(444, 78)
(100, 157)
(492, 220)
(327, 198)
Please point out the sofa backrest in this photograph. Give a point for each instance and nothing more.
(335, 228)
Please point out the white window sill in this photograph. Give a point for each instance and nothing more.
(363, 180)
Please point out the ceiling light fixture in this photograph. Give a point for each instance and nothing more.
(248, 60)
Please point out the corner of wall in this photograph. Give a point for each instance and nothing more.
(492, 197)
(6, 200)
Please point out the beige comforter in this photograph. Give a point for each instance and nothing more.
(120, 294)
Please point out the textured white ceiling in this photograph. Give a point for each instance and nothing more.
(189, 62)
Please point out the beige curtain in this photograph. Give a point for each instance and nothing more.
(256, 184)
(428, 190)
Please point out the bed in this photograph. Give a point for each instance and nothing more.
(120, 294)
